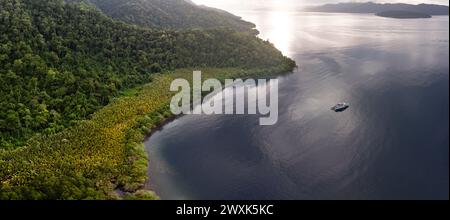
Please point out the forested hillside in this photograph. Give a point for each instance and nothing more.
(59, 62)
(371, 7)
(174, 14)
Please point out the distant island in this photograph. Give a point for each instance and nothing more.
(371, 7)
(402, 14)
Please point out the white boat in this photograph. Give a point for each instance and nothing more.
(340, 107)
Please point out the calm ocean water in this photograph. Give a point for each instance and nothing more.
(392, 143)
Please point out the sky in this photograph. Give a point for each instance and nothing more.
(226, 4)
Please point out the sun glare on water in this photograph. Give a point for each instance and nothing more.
(276, 17)
(280, 31)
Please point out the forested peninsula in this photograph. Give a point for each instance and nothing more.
(81, 88)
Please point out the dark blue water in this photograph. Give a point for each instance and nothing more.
(392, 143)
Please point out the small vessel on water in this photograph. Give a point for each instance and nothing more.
(340, 107)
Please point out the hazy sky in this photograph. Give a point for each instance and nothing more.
(226, 4)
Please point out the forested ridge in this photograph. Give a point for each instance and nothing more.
(59, 62)
(372, 7)
(174, 14)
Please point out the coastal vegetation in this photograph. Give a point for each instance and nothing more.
(100, 158)
(81, 90)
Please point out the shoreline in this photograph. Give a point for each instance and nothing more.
(160, 126)
(111, 144)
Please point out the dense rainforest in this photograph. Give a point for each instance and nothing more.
(59, 62)
(173, 14)
(80, 90)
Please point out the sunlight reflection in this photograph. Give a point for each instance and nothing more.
(280, 31)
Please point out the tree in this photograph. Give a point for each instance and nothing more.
(155, 68)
